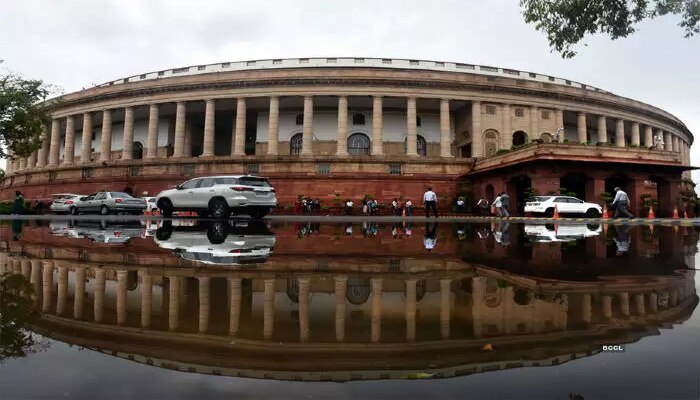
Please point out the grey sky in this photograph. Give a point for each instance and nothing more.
(76, 44)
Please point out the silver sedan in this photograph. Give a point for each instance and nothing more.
(104, 203)
(62, 204)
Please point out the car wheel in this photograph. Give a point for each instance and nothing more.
(258, 213)
(549, 213)
(166, 208)
(165, 231)
(592, 213)
(218, 208)
(217, 232)
(74, 210)
(104, 210)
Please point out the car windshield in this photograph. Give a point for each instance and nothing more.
(249, 181)
(120, 194)
(540, 198)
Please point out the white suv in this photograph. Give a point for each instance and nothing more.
(564, 204)
(219, 196)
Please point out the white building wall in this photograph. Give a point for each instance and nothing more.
(140, 135)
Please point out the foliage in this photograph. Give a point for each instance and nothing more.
(606, 197)
(6, 208)
(565, 192)
(22, 114)
(530, 193)
(605, 144)
(566, 23)
(16, 312)
(649, 201)
(502, 151)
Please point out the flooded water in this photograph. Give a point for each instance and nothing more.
(181, 309)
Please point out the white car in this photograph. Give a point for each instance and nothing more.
(219, 196)
(218, 242)
(564, 204)
(61, 203)
(150, 203)
(562, 232)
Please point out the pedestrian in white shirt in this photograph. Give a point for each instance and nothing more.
(430, 202)
(498, 205)
(430, 237)
(621, 202)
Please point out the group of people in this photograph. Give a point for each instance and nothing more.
(499, 207)
(400, 208)
(307, 205)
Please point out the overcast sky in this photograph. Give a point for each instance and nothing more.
(76, 44)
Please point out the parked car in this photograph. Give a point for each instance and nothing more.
(105, 203)
(219, 196)
(61, 203)
(564, 204)
(561, 233)
(218, 242)
(150, 203)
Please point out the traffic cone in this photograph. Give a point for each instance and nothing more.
(403, 212)
(605, 211)
(556, 212)
(651, 229)
(675, 213)
(147, 212)
(651, 213)
(685, 214)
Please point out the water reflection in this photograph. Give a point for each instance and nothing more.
(346, 302)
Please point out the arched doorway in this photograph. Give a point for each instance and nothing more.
(358, 290)
(137, 152)
(295, 144)
(491, 142)
(617, 180)
(574, 182)
(519, 138)
(519, 187)
(358, 144)
(489, 192)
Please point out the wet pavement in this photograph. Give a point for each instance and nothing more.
(133, 308)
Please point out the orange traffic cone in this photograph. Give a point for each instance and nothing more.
(605, 211)
(651, 213)
(651, 229)
(403, 212)
(685, 214)
(675, 213)
(556, 212)
(147, 212)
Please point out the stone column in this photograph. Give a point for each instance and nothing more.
(187, 147)
(445, 139)
(204, 302)
(410, 311)
(673, 298)
(676, 146)
(269, 309)
(582, 128)
(128, 144)
(31, 161)
(307, 148)
(69, 147)
(377, 126)
(602, 129)
(86, 145)
(273, 126)
(152, 140)
(342, 147)
(146, 298)
(445, 307)
(304, 309)
(26, 268)
(44, 150)
(653, 302)
(238, 144)
(106, 140)
(62, 289)
(55, 145)
(341, 283)
(180, 120)
(209, 124)
(635, 134)
(174, 303)
(99, 305)
(534, 124)
(121, 296)
(22, 164)
(477, 137)
(411, 128)
(586, 308)
(234, 293)
(507, 134)
(79, 293)
(624, 303)
(35, 278)
(648, 136)
(376, 330)
(639, 303)
(606, 306)
(47, 285)
(559, 119)
(620, 133)
(668, 141)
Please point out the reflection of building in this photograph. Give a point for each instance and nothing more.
(318, 126)
(336, 324)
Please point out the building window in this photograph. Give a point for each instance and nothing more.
(125, 80)
(303, 61)
(295, 144)
(252, 168)
(490, 142)
(421, 146)
(52, 176)
(137, 151)
(250, 63)
(394, 169)
(323, 168)
(300, 119)
(359, 60)
(332, 60)
(358, 119)
(519, 112)
(418, 120)
(386, 61)
(161, 73)
(465, 66)
(201, 68)
(488, 69)
(225, 65)
(533, 75)
(87, 173)
(358, 144)
(491, 110)
(187, 169)
(134, 170)
(545, 114)
(180, 70)
(276, 62)
(439, 64)
(143, 76)
(413, 62)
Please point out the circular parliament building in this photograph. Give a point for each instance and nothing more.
(337, 128)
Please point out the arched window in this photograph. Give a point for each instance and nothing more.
(490, 142)
(546, 137)
(421, 146)
(358, 119)
(137, 152)
(358, 144)
(300, 119)
(295, 144)
(519, 138)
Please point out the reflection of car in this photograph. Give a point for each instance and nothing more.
(564, 204)
(108, 203)
(108, 232)
(218, 196)
(61, 203)
(218, 242)
(561, 232)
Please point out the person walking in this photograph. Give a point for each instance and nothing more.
(18, 205)
(460, 205)
(348, 206)
(430, 237)
(483, 206)
(430, 202)
(395, 206)
(505, 203)
(621, 203)
(408, 206)
(498, 206)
